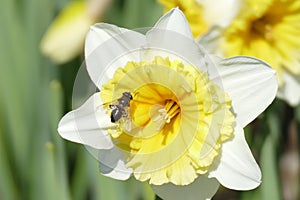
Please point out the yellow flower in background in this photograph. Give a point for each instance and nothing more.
(202, 14)
(169, 113)
(269, 30)
(192, 11)
(64, 39)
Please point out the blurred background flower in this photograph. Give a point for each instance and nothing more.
(64, 38)
(267, 30)
(203, 14)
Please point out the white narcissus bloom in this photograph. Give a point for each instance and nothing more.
(268, 30)
(182, 131)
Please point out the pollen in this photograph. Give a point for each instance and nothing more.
(164, 115)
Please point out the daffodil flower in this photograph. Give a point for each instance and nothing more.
(168, 112)
(267, 30)
(64, 38)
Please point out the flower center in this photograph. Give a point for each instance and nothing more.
(262, 28)
(163, 115)
(179, 119)
(154, 109)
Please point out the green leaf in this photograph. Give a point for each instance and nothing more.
(55, 111)
(136, 15)
(13, 87)
(148, 193)
(251, 195)
(8, 188)
(80, 182)
(270, 188)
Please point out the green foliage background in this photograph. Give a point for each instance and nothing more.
(35, 163)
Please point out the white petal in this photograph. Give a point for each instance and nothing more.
(212, 39)
(112, 164)
(290, 91)
(107, 43)
(220, 12)
(202, 188)
(88, 124)
(172, 34)
(175, 21)
(250, 83)
(237, 168)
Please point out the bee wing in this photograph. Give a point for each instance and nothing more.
(126, 124)
(125, 121)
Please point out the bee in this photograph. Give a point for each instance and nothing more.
(120, 111)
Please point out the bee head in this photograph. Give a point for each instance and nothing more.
(127, 94)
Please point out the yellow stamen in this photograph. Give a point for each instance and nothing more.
(164, 115)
